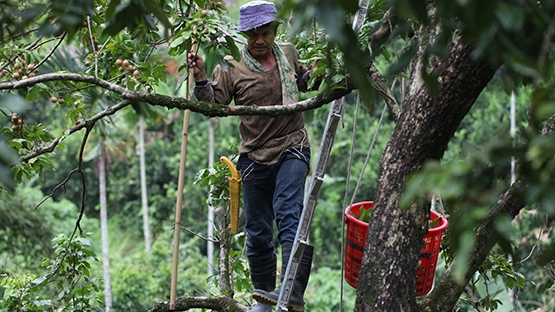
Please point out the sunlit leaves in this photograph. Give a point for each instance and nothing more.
(208, 29)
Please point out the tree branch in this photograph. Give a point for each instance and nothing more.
(225, 267)
(382, 87)
(44, 59)
(79, 170)
(380, 34)
(475, 298)
(208, 109)
(378, 37)
(88, 123)
(446, 292)
(222, 303)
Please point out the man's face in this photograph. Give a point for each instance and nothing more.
(261, 40)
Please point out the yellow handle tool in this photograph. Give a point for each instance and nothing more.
(234, 193)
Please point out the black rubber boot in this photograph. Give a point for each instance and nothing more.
(263, 277)
(296, 301)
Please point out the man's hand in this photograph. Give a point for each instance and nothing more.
(196, 62)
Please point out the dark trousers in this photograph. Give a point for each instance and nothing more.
(273, 193)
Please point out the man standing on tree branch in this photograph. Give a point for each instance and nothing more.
(275, 151)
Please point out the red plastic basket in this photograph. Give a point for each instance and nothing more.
(356, 239)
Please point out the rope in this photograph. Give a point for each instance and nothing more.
(357, 185)
(345, 201)
(358, 19)
(368, 154)
(440, 201)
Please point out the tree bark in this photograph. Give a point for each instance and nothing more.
(222, 303)
(428, 120)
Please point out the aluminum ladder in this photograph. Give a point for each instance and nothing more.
(303, 230)
(301, 238)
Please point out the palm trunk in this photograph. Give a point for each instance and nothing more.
(210, 229)
(144, 198)
(104, 226)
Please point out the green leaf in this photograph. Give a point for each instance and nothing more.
(181, 80)
(365, 214)
(233, 48)
(112, 9)
(156, 10)
(404, 60)
(351, 6)
(547, 255)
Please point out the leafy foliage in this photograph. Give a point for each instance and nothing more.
(134, 44)
(68, 277)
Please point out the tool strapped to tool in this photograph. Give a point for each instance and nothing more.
(234, 193)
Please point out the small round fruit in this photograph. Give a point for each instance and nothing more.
(136, 73)
(19, 121)
(24, 77)
(15, 127)
(87, 62)
(17, 66)
(121, 69)
(77, 121)
(15, 118)
(54, 99)
(61, 101)
(85, 24)
(119, 62)
(125, 63)
(130, 67)
(31, 75)
(204, 12)
(15, 75)
(31, 66)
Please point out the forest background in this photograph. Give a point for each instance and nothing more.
(140, 270)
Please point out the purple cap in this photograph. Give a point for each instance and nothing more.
(255, 14)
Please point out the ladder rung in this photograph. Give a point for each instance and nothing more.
(318, 181)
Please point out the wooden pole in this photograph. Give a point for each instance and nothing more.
(181, 182)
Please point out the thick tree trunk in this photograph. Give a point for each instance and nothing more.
(428, 120)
